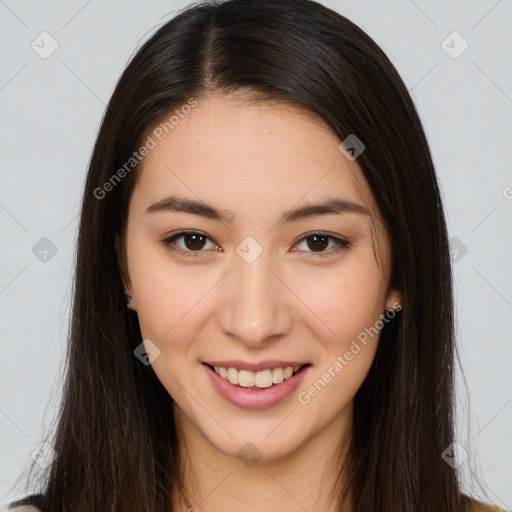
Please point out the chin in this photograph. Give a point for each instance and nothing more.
(255, 439)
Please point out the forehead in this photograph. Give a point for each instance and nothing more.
(254, 154)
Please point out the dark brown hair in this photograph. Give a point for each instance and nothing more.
(115, 437)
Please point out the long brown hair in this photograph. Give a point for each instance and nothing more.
(115, 438)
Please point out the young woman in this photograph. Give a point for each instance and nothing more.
(263, 309)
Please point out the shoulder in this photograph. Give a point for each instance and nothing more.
(483, 507)
(18, 508)
(31, 503)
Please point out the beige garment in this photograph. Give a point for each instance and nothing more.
(19, 508)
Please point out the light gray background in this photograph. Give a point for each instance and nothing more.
(50, 112)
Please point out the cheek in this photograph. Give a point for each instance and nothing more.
(166, 295)
(165, 307)
(346, 301)
(337, 382)
(352, 310)
(350, 303)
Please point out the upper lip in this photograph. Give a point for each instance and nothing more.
(270, 364)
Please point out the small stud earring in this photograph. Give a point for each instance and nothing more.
(128, 299)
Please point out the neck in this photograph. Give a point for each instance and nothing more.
(303, 479)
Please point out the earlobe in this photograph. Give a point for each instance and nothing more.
(394, 300)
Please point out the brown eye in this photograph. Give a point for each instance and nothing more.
(193, 243)
(318, 242)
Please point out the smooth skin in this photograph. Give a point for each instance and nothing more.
(295, 301)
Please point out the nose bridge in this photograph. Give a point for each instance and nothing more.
(255, 307)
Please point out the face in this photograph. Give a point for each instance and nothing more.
(248, 286)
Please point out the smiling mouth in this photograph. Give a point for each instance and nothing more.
(257, 380)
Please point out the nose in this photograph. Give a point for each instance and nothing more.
(257, 304)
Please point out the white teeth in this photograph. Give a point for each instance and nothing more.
(233, 375)
(277, 375)
(245, 378)
(261, 379)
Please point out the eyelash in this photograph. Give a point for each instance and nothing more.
(341, 244)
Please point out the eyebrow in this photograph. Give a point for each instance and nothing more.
(196, 207)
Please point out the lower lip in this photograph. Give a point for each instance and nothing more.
(249, 398)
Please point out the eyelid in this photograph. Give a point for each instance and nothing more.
(166, 242)
(341, 243)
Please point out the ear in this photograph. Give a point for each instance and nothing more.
(394, 300)
(123, 271)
